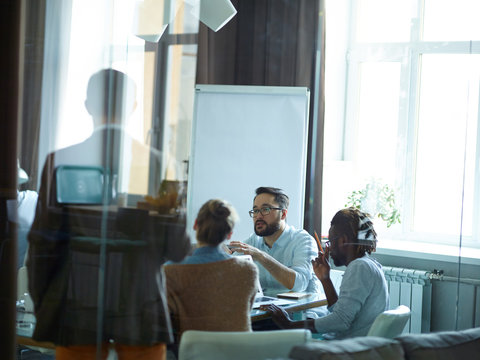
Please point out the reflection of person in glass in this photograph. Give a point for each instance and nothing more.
(363, 291)
(95, 273)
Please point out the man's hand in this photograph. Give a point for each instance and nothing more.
(279, 315)
(281, 318)
(245, 249)
(321, 267)
(283, 274)
(226, 249)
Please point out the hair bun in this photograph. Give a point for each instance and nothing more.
(219, 210)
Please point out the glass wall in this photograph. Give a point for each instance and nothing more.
(105, 138)
(103, 191)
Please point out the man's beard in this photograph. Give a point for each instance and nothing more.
(338, 259)
(270, 229)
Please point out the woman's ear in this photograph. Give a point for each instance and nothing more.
(229, 235)
(195, 225)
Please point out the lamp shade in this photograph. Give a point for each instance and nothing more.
(216, 13)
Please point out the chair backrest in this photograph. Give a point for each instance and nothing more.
(236, 345)
(336, 276)
(390, 323)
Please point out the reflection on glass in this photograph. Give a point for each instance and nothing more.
(95, 255)
(180, 109)
(105, 41)
(116, 45)
(447, 114)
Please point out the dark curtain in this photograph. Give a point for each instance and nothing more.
(29, 128)
(274, 43)
(10, 90)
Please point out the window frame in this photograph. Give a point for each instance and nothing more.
(409, 55)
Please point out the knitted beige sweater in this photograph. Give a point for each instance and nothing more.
(215, 296)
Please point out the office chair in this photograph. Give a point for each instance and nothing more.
(336, 276)
(238, 345)
(390, 323)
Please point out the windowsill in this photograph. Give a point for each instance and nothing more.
(426, 251)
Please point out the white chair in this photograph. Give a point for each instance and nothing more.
(336, 276)
(390, 323)
(236, 345)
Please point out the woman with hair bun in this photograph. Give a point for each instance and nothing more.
(210, 289)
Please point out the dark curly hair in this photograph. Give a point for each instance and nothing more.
(350, 222)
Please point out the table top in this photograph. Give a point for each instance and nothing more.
(24, 333)
(308, 302)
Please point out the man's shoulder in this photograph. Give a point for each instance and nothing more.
(80, 153)
(365, 264)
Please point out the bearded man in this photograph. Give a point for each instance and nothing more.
(283, 254)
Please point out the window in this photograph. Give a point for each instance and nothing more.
(177, 54)
(406, 114)
(164, 73)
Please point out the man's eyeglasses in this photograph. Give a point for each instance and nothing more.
(264, 211)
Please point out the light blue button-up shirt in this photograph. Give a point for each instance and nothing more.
(294, 249)
(363, 295)
(204, 255)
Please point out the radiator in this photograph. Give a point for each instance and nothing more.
(412, 288)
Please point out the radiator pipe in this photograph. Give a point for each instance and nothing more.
(475, 282)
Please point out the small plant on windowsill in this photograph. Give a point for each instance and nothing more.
(378, 200)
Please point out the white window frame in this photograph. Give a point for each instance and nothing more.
(409, 55)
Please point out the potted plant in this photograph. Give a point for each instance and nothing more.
(378, 200)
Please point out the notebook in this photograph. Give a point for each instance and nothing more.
(260, 297)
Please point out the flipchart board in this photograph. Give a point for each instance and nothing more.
(244, 137)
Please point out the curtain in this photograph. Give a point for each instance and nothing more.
(10, 63)
(274, 43)
(32, 88)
